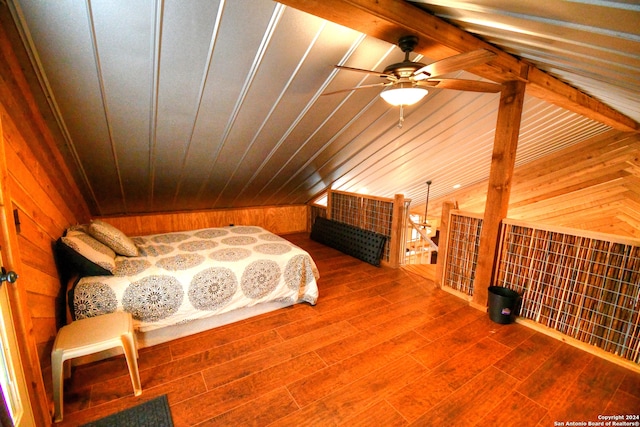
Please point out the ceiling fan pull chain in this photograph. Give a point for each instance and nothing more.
(401, 117)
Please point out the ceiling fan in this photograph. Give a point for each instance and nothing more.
(407, 81)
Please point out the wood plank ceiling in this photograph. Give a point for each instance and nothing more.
(219, 104)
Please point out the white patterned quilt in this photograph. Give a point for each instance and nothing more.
(190, 275)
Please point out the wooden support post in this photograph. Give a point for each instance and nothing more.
(397, 223)
(442, 240)
(500, 177)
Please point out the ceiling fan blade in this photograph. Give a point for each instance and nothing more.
(357, 87)
(454, 63)
(467, 85)
(360, 70)
(427, 83)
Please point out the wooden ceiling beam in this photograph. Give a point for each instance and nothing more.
(388, 20)
(548, 88)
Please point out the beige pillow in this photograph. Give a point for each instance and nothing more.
(114, 238)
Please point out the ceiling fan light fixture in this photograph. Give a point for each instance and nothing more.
(403, 93)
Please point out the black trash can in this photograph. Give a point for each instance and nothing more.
(503, 303)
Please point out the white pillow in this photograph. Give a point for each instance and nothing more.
(114, 238)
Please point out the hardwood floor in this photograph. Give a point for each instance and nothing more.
(382, 347)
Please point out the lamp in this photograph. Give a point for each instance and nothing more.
(403, 93)
(426, 209)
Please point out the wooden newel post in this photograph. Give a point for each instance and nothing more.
(500, 177)
(397, 234)
(442, 240)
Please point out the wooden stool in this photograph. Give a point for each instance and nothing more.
(88, 336)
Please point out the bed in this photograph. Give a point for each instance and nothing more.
(180, 283)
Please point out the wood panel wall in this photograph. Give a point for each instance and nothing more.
(42, 191)
(277, 219)
(593, 185)
(44, 197)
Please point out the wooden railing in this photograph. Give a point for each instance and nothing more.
(381, 215)
(582, 285)
(463, 244)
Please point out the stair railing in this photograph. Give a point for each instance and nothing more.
(419, 246)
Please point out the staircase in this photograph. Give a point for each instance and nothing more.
(418, 252)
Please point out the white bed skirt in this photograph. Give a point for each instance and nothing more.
(170, 333)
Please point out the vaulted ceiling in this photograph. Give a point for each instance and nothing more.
(170, 105)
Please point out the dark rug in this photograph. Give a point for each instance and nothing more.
(152, 413)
